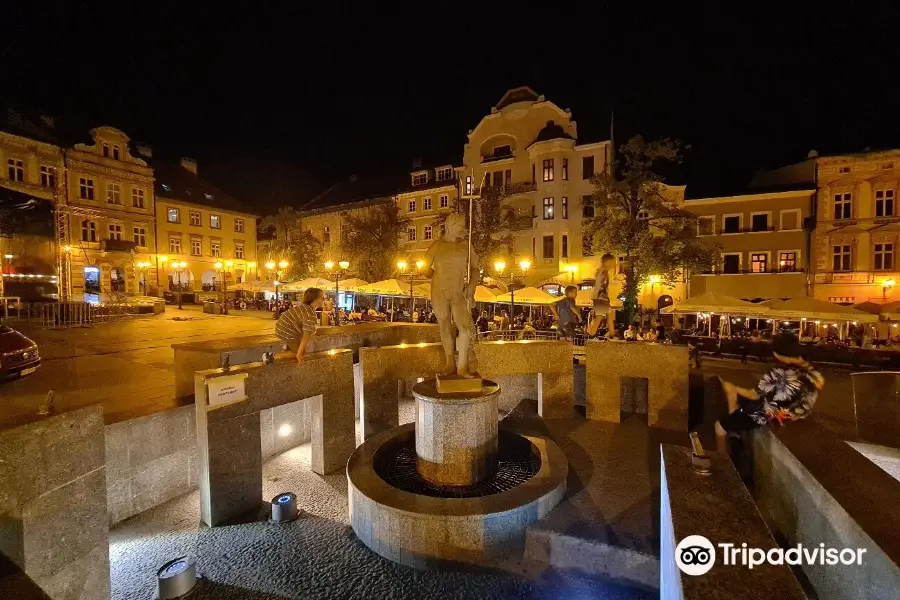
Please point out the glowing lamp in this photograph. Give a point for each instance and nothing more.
(284, 507)
(270, 265)
(401, 265)
(420, 264)
(329, 264)
(176, 578)
(499, 266)
(283, 264)
(229, 264)
(251, 264)
(525, 264)
(344, 264)
(218, 266)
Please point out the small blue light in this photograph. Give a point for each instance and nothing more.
(283, 499)
(176, 567)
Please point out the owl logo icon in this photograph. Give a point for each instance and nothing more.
(695, 555)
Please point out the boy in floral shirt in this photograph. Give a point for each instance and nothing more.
(787, 392)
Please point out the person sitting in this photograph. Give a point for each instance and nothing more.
(630, 333)
(297, 325)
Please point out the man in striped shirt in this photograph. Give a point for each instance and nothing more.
(297, 325)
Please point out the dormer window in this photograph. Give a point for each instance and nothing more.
(115, 153)
(445, 174)
(420, 178)
(106, 150)
(209, 196)
(501, 151)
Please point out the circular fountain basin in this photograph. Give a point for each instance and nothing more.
(418, 522)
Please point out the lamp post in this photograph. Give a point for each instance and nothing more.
(500, 267)
(571, 270)
(251, 266)
(143, 267)
(178, 268)
(282, 267)
(403, 266)
(343, 265)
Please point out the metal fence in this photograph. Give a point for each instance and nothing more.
(510, 335)
(68, 314)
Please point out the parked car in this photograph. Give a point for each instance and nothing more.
(19, 355)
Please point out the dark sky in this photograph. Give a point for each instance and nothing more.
(279, 103)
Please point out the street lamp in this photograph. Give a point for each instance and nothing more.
(500, 267)
(142, 267)
(886, 286)
(571, 270)
(402, 266)
(343, 265)
(252, 265)
(282, 266)
(178, 268)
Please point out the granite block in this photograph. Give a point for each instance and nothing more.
(119, 501)
(664, 366)
(291, 424)
(159, 435)
(234, 467)
(267, 433)
(63, 525)
(161, 479)
(117, 446)
(84, 578)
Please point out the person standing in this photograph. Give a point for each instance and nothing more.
(660, 332)
(565, 312)
(297, 325)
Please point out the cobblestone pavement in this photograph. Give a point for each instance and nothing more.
(124, 366)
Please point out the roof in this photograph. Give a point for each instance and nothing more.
(177, 183)
(518, 94)
(357, 190)
(25, 214)
(17, 122)
(552, 131)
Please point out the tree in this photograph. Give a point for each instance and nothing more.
(633, 219)
(370, 240)
(492, 224)
(289, 242)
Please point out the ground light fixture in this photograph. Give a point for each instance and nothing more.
(176, 578)
(284, 507)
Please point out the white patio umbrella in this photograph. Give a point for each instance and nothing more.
(304, 284)
(711, 302)
(351, 285)
(485, 294)
(527, 295)
(391, 287)
(810, 308)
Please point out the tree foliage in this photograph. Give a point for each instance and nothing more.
(289, 242)
(634, 219)
(492, 223)
(370, 240)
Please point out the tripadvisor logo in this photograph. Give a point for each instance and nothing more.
(696, 555)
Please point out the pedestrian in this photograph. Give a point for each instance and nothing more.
(565, 312)
(660, 331)
(297, 325)
(787, 392)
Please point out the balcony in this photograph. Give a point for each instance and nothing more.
(521, 222)
(725, 231)
(117, 246)
(496, 157)
(751, 272)
(507, 190)
(865, 277)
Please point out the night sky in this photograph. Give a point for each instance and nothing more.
(278, 104)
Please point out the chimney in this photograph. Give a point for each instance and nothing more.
(417, 162)
(190, 164)
(144, 150)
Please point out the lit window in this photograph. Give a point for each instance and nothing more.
(426, 204)
(787, 261)
(427, 232)
(175, 245)
(239, 225)
(759, 262)
(215, 249)
(173, 215)
(86, 188)
(884, 257)
(411, 234)
(445, 201)
(564, 207)
(115, 231)
(843, 205)
(841, 257)
(548, 169)
(48, 177)
(113, 193)
(548, 208)
(412, 206)
(468, 185)
(565, 170)
(194, 217)
(88, 231)
(326, 235)
(238, 250)
(196, 246)
(445, 174)
(137, 197)
(140, 236)
(884, 203)
(215, 222)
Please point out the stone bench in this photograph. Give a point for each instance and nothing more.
(612, 368)
(228, 435)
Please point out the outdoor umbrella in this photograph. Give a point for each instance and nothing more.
(711, 302)
(484, 294)
(390, 287)
(351, 285)
(810, 308)
(304, 284)
(527, 295)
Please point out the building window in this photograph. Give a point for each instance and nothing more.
(173, 215)
(48, 177)
(215, 248)
(548, 208)
(115, 231)
(215, 222)
(787, 262)
(587, 207)
(759, 262)
(445, 174)
(420, 179)
(533, 180)
(175, 245)
(564, 247)
(88, 231)
(106, 150)
(565, 169)
(790, 220)
(548, 246)
(113, 193)
(86, 188)
(326, 235)
(427, 232)
(587, 167)
(643, 215)
(842, 205)
(731, 263)
(468, 185)
(884, 257)
(426, 204)
(487, 180)
(140, 236)
(196, 247)
(587, 246)
(548, 169)
(841, 257)
(411, 234)
(508, 177)
(501, 151)
(564, 207)
(116, 152)
(731, 224)
(445, 201)
(706, 226)
(194, 217)
(884, 203)
(412, 205)
(845, 169)
(239, 226)
(498, 179)
(759, 222)
(239, 250)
